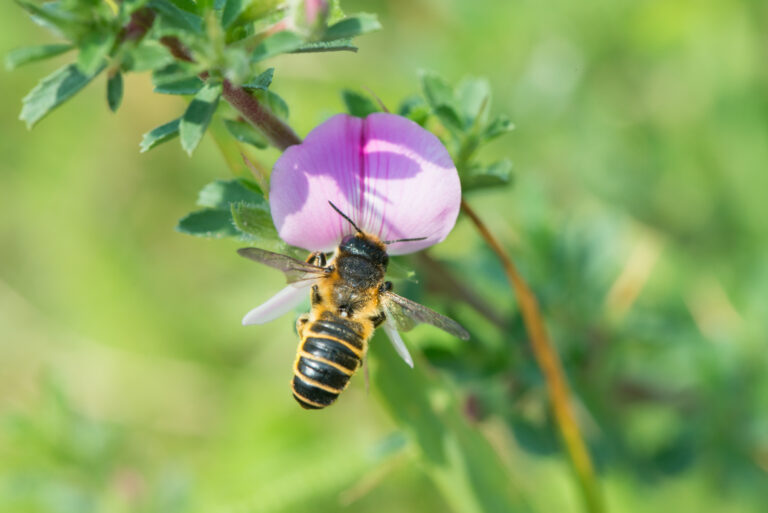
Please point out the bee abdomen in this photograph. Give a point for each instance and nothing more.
(325, 363)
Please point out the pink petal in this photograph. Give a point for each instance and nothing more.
(282, 302)
(392, 177)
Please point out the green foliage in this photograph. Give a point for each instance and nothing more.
(159, 135)
(337, 45)
(52, 91)
(198, 115)
(29, 54)
(273, 101)
(245, 133)
(261, 81)
(177, 19)
(144, 35)
(115, 91)
(182, 86)
(357, 104)
(464, 111)
(281, 42)
(352, 26)
(461, 461)
(94, 49)
(232, 208)
(209, 222)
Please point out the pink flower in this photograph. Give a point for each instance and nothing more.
(393, 179)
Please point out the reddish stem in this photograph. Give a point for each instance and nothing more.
(279, 134)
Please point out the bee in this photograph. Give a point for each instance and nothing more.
(349, 299)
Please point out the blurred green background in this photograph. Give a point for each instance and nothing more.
(638, 214)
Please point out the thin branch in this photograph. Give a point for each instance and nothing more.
(279, 134)
(549, 363)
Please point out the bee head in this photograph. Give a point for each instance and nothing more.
(365, 246)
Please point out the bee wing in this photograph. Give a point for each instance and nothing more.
(406, 313)
(294, 270)
(390, 328)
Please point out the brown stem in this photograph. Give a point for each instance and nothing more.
(279, 134)
(137, 27)
(549, 363)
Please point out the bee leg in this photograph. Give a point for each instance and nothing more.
(367, 376)
(315, 297)
(301, 323)
(317, 258)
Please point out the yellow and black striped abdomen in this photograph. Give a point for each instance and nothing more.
(330, 352)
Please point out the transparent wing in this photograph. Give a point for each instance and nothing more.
(406, 314)
(294, 270)
(390, 328)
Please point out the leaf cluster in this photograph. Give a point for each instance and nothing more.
(191, 47)
(461, 116)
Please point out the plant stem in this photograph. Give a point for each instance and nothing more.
(549, 363)
(279, 134)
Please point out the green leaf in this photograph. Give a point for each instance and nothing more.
(499, 126)
(51, 92)
(148, 55)
(159, 135)
(190, 85)
(232, 9)
(275, 103)
(198, 115)
(234, 208)
(174, 17)
(28, 54)
(479, 177)
(357, 104)
(189, 5)
(263, 13)
(415, 109)
(280, 42)
(254, 220)
(337, 45)
(474, 98)
(457, 457)
(94, 50)
(437, 91)
(51, 16)
(352, 26)
(246, 133)
(175, 72)
(115, 91)
(450, 119)
(222, 194)
(211, 222)
(262, 80)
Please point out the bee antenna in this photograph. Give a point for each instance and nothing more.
(403, 240)
(342, 214)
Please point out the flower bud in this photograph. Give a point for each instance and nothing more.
(312, 15)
